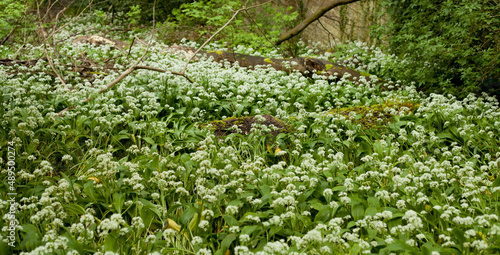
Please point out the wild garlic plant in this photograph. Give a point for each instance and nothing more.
(135, 171)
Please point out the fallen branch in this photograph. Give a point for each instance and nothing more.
(111, 84)
(136, 65)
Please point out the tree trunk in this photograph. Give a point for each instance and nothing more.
(315, 16)
(305, 65)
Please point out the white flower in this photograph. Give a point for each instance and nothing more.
(470, 233)
(231, 209)
(137, 223)
(414, 222)
(197, 240)
(204, 251)
(244, 238)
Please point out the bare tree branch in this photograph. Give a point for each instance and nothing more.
(45, 41)
(136, 65)
(244, 8)
(318, 14)
(9, 35)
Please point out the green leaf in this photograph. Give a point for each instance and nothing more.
(185, 158)
(226, 243)
(399, 246)
(78, 246)
(32, 238)
(374, 202)
(274, 230)
(230, 220)
(339, 188)
(305, 195)
(324, 214)
(118, 200)
(89, 189)
(248, 230)
(74, 209)
(316, 204)
(377, 148)
(371, 211)
(235, 202)
(371, 233)
(111, 243)
(147, 216)
(187, 215)
(496, 183)
(149, 140)
(358, 211)
(459, 235)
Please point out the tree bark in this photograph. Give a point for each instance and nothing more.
(318, 14)
(305, 65)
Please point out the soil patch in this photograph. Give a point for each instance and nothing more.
(225, 127)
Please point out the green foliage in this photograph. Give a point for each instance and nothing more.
(122, 9)
(256, 27)
(11, 14)
(446, 45)
(132, 171)
(134, 14)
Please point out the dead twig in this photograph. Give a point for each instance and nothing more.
(9, 35)
(45, 41)
(134, 67)
(111, 84)
(130, 48)
(164, 71)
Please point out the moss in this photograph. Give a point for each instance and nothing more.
(365, 74)
(369, 116)
(216, 51)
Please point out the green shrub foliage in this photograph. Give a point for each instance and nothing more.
(256, 27)
(447, 45)
(11, 14)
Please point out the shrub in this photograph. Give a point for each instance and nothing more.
(447, 45)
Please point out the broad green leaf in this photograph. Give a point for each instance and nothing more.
(248, 230)
(324, 214)
(373, 201)
(31, 239)
(149, 140)
(226, 243)
(399, 246)
(74, 209)
(118, 200)
(111, 243)
(185, 158)
(187, 215)
(358, 211)
(370, 211)
(89, 190)
(496, 183)
(230, 220)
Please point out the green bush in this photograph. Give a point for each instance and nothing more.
(256, 27)
(136, 11)
(11, 14)
(447, 45)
